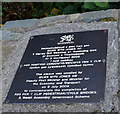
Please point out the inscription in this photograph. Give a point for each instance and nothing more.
(71, 66)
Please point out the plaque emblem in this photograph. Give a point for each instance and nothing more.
(67, 38)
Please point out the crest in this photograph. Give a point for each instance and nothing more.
(67, 38)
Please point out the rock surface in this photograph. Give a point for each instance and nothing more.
(0, 72)
(62, 24)
(119, 56)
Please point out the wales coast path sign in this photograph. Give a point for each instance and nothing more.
(62, 68)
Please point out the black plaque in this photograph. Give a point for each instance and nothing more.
(62, 68)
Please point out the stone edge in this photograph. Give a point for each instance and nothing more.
(70, 18)
(118, 58)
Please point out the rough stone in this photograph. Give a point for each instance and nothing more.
(119, 60)
(7, 47)
(20, 24)
(111, 101)
(98, 15)
(8, 35)
(14, 44)
(23, 26)
(0, 72)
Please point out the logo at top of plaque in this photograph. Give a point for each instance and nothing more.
(67, 38)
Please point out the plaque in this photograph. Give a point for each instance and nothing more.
(62, 68)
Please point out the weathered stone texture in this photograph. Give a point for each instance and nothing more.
(15, 41)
